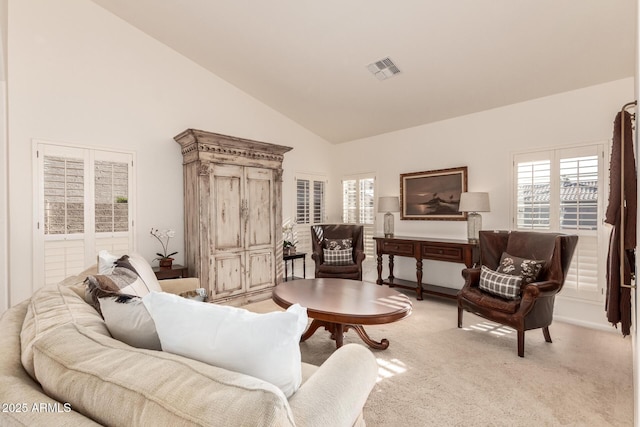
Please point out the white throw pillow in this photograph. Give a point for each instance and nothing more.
(265, 346)
(129, 321)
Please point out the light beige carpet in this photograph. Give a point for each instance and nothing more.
(434, 374)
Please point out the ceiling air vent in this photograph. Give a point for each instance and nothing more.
(383, 69)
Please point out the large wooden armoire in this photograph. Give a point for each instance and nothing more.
(233, 214)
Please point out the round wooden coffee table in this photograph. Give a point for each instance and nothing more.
(342, 304)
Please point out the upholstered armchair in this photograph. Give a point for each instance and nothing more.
(504, 296)
(331, 251)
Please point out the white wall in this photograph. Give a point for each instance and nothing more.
(4, 189)
(78, 74)
(484, 143)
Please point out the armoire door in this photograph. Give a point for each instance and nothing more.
(226, 229)
(259, 231)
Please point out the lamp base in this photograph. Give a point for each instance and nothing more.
(474, 225)
(388, 225)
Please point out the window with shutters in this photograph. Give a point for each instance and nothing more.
(310, 207)
(83, 206)
(358, 203)
(563, 190)
(111, 196)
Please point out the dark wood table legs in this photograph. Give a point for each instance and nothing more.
(338, 330)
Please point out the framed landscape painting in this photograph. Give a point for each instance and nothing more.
(433, 195)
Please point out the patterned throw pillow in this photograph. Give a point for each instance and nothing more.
(338, 257)
(129, 321)
(132, 275)
(528, 269)
(337, 244)
(503, 285)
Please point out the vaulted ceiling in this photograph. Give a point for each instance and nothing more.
(308, 59)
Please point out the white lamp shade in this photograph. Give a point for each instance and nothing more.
(389, 204)
(474, 202)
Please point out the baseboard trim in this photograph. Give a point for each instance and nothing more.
(590, 325)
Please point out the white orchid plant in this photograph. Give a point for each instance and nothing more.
(289, 239)
(163, 237)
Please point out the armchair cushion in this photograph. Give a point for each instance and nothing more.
(504, 285)
(528, 269)
(489, 301)
(338, 257)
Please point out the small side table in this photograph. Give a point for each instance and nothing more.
(176, 271)
(293, 257)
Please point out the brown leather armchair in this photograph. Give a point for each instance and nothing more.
(321, 233)
(533, 308)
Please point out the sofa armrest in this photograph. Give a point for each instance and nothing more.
(176, 286)
(336, 393)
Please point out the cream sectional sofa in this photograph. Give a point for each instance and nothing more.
(60, 366)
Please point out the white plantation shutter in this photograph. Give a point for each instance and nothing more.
(367, 213)
(586, 271)
(63, 211)
(579, 193)
(310, 208)
(350, 201)
(83, 206)
(63, 195)
(302, 201)
(563, 191)
(63, 216)
(112, 209)
(111, 196)
(318, 202)
(533, 196)
(358, 207)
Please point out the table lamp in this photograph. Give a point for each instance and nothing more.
(474, 203)
(388, 205)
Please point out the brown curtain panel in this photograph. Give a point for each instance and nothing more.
(618, 303)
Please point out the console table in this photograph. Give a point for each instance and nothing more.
(448, 250)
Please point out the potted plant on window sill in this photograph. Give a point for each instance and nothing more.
(164, 259)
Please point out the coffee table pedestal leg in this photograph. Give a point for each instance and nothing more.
(382, 345)
(338, 330)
